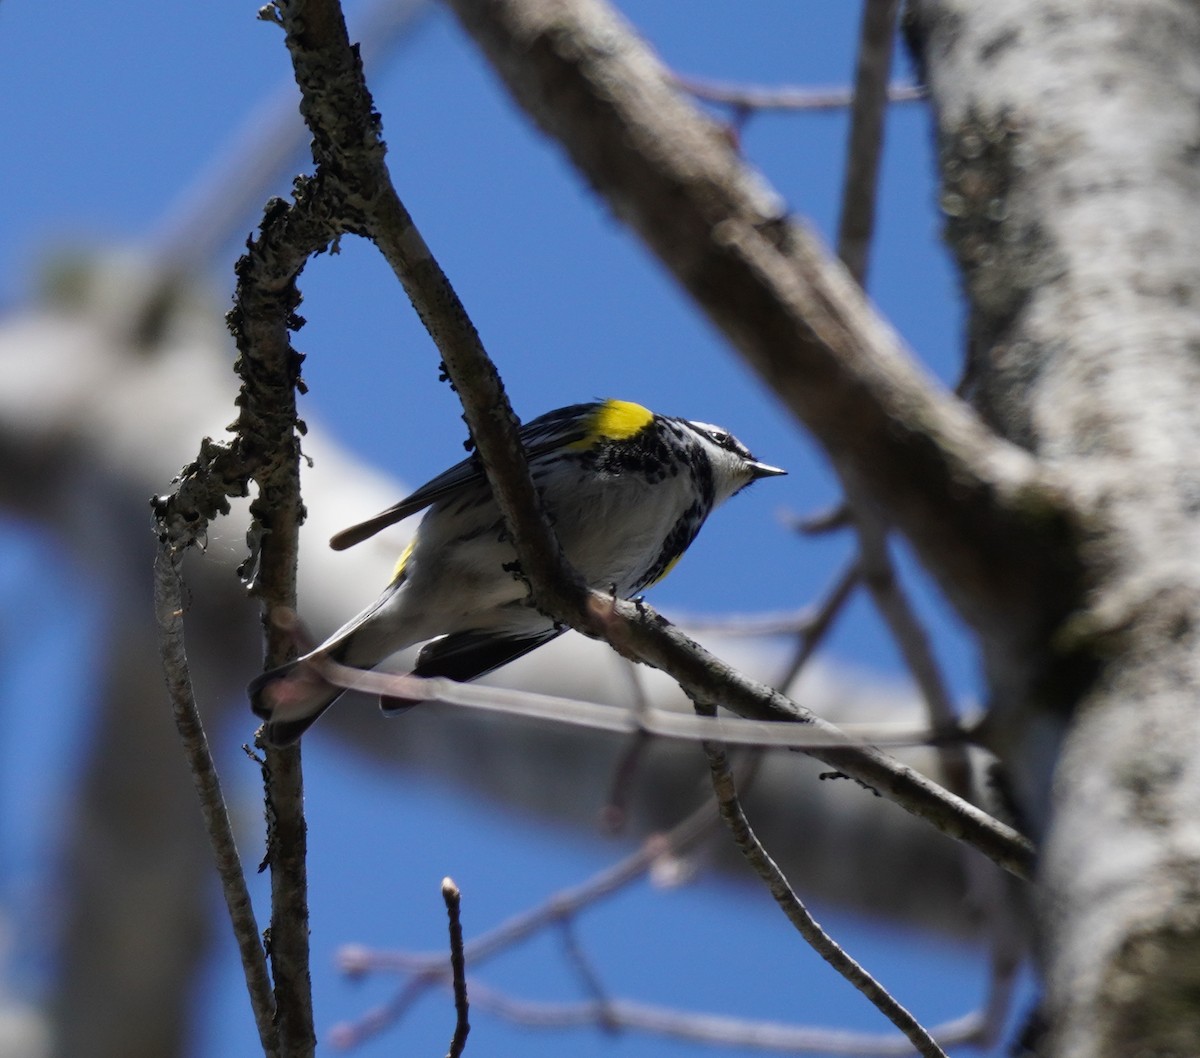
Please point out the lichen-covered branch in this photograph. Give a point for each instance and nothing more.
(557, 589)
(168, 605)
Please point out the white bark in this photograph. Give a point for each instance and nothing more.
(1070, 134)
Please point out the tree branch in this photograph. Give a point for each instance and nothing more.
(458, 973)
(821, 942)
(979, 512)
(856, 228)
(856, 220)
(210, 213)
(712, 1029)
(337, 92)
(427, 971)
(742, 98)
(266, 450)
(168, 607)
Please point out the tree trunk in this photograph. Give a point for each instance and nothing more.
(1069, 141)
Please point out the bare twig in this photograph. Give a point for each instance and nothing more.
(266, 450)
(825, 742)
(610, 1012)
(585, 971)
(791, 905)
(261, 321)
(812, 637)
(168, 607)
(707, 1028)
(650, 721)
(821, 522)
(569, 902)
(856, 228)
(1006, 933)
(856, 224)
(428, 971)
(613, 813)
(462, 1025)
(882, 581)
(347, 1035)
(741, 97)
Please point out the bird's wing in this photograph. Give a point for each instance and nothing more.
(466, 656)
(538, 436)
(458, 478)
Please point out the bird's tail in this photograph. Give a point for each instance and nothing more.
(290, 699)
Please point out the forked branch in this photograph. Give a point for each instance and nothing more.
(980, 512)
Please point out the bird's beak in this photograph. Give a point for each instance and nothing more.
(764, 470)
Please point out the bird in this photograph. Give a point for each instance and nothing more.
(626, 491)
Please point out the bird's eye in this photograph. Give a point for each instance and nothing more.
(721, 437)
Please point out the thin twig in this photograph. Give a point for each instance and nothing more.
(812, 637)
(712, 1029)
(907, 631)
(429, 970)
(261, 321)
(791, 905)
(744, 97)
(567, 903)
(856, 224)
(458, 963)
(614, 812)
(588, 976)
(856, 228)
(605, 883)
(374, 1021)
(651, 721)
(265, 448)
(168, 607)
(821, 522)
(819, 738)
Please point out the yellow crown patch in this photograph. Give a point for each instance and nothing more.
(615, 420)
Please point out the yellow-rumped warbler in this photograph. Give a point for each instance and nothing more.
(626, 491)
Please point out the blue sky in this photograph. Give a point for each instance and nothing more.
(109, 117)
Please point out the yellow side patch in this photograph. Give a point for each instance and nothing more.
(666, 569)
(615, 420)
(405, 555)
